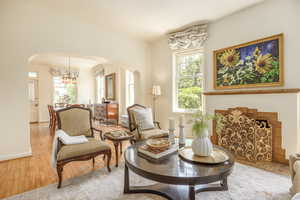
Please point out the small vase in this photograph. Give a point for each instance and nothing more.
(202, 145)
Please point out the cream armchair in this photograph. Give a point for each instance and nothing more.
(142, 134)
(77, 121)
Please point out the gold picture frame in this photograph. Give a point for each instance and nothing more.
(110, 86)
(258, 63)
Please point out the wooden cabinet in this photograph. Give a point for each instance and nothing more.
(107, 112)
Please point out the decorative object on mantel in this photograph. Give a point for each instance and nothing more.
(172, 130)
(263, 91)
(156, 92)
(253, 64)
(249, 134)
(181, 132)
(201, 145)
(190, 38)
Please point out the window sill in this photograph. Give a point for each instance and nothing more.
(184, 111)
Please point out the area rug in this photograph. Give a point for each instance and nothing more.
(245, 183)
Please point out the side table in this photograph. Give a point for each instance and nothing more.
(117, 141)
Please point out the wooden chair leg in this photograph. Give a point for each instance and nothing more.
(59, 169)
(50, 122)
(93, 162)
(121, 148)
(101, 136)
(108, 160)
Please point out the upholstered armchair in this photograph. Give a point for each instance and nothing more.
(136, 128)
(76, 121)
(294, 163)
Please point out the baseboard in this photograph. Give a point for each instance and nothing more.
(15, 156)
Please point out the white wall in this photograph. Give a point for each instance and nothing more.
(85, 86)
(266, 19)
(35, 27)
(142, 87)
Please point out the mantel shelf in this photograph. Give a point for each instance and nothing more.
(264, 91)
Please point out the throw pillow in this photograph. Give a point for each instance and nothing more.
(143, 118)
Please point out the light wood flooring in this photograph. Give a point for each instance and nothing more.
(24, 174)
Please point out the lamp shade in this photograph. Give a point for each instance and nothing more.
(156, 90)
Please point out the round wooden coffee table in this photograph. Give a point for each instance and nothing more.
(177, 179)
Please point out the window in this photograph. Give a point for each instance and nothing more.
(100, 88)
(64, 92)
(187, 81)
(129, 88)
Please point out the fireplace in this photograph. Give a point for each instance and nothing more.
(249, 134)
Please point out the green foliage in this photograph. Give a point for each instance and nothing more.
(189, 98)
(200, 122)
(72, 93)
(189, 85)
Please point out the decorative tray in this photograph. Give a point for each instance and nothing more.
(158, 143)
(117, 134)
(217, 156)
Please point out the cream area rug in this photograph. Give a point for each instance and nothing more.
(245, 183)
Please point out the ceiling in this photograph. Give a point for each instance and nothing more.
(144, 19)
(150, 19)
(61, 60)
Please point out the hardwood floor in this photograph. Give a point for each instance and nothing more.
(24, 174)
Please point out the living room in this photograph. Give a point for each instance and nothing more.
(245, 52)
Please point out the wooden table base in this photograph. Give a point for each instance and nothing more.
(173, 192)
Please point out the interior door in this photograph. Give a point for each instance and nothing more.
(33, 100)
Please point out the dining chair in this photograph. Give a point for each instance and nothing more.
(51, 116)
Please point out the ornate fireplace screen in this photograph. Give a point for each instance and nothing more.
(245, 136)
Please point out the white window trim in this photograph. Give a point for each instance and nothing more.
(175, 108)
(129, 81)
(31, 77)
(100, 89)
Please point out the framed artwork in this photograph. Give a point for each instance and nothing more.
(110, 86)
(253, 64)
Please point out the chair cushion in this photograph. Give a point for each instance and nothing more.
(153, 133)
(73, 150)
(144, 118)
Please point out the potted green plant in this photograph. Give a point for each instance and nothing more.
(201, 144)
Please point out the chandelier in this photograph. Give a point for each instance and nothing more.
(68, 76)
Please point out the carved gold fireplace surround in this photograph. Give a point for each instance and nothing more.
(250, 135)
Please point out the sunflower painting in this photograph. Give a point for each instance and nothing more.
(254, 64)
